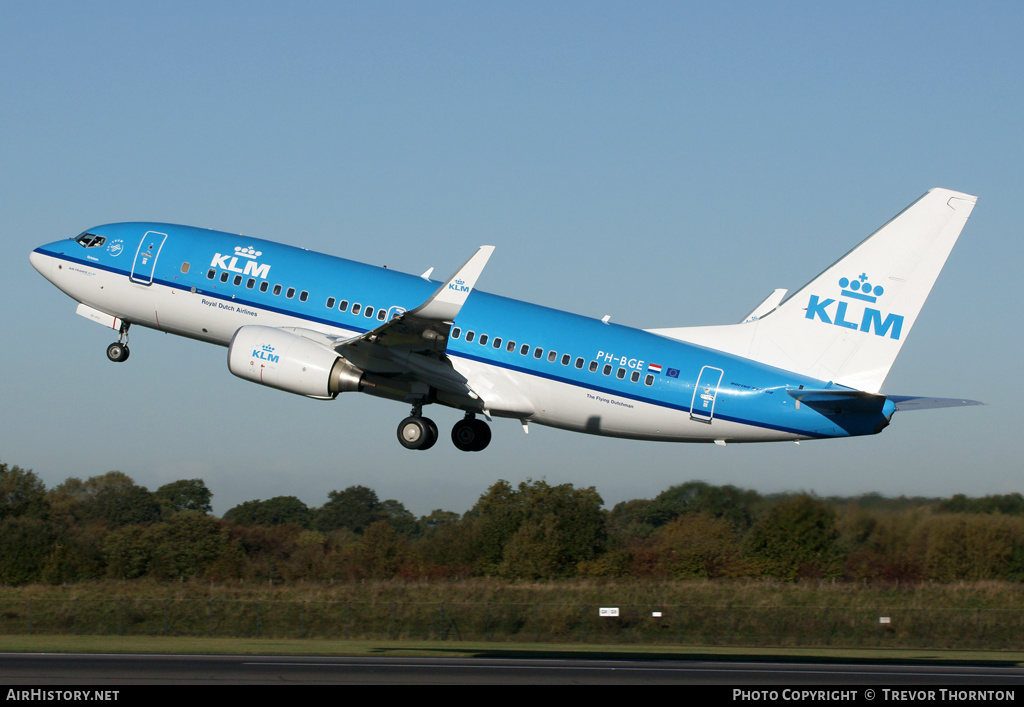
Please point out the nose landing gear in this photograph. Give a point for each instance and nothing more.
(118, 351)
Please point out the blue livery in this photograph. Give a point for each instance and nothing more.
(806, 367)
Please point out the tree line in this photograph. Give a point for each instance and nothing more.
(108, 526)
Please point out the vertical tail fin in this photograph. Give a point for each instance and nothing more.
(848, 324)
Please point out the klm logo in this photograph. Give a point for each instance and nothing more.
(266, 354)
(459, 286)
(249, 267)
(854, 292)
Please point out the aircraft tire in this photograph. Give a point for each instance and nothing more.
(433, 434)
(118, 352)
(417, 433)
(471, 435)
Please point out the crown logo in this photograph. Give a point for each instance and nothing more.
(860, 288)
(268, 348)
(249, 252)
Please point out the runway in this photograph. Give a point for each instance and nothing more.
(127, 671)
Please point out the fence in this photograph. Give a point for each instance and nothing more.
(535, 622)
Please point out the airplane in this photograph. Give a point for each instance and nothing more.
(807, 366)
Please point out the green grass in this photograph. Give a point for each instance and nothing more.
(481, 616)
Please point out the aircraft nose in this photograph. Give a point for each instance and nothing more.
(41, 263)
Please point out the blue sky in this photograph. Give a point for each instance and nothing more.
(668, 164)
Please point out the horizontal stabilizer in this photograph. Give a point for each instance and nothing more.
(830, 400)
(913, 402)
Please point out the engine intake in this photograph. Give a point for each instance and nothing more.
(286, 361)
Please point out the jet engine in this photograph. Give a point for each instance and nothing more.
(287, 361)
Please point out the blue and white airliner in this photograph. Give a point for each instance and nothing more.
(809, 366)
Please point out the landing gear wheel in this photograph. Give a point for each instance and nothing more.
(417, 433)
(118, 352)
(471, 435)
(433, 433)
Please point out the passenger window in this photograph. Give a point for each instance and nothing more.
(184, 268)
(238, 280)
(621, 373)
(250, 283)
(224, 276)
(593, 366)
(264, 286)
(649, 380)
(469, 336)
(552, 355)
(330, 303)
(344, 305)
(538, 352)
(303, 296)
(355, 308)
(634, 376)
(456, 333)
(511, 347)
(524, 349)
(483, 339)
(607, 369)
(210, 274)
(368, 312)
(579, 362)
(565, 359)
(290, 293)
(497, 342)
(277, 290)
(382, 314)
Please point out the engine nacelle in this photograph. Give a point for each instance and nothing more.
(286, 361)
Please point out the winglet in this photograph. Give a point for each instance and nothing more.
(770, 303)
(446, 303)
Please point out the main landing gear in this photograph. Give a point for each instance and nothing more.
(418, 432)
(118, 351)
(470, 434)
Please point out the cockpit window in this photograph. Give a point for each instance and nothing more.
(89, 240)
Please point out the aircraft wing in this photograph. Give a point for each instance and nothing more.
(412, 345)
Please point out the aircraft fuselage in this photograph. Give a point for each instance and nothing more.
(522, 360)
